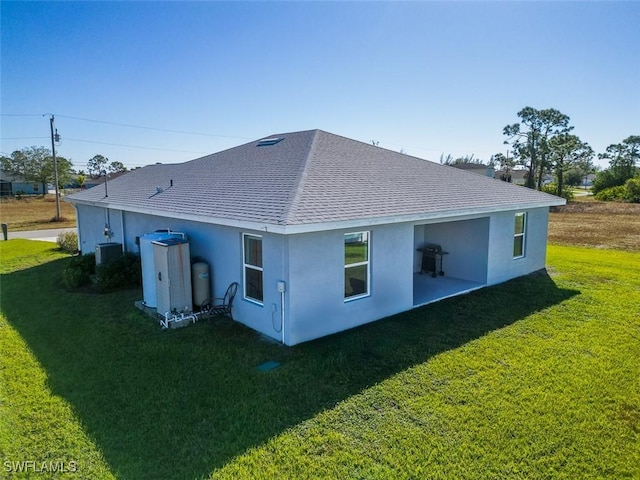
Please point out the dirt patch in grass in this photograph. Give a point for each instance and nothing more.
(596, 224)
(36, 213)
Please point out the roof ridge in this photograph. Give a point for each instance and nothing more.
(292, 200)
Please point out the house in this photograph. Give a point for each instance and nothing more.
(519, 176)
(93, 181)
(15, 185)
(323, 232)
(477, 168)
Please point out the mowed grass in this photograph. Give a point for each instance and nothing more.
(35, 213)
(535, 378)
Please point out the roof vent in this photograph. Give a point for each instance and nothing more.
(265, 142)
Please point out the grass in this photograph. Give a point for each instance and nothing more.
(546, 386)
(35, 213)
(591, 223)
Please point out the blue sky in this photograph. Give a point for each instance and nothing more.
(424, 77)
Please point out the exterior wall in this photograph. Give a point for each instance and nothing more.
(28, 188)
(219, 246)
(502, 265)
(312, 265)
(316, 281)
(91, 223)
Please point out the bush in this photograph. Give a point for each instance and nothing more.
(79, 270)
(629, 192)
(613, 194)
(123, 272)
(607, 179)
(633, 189)
(552, 188)
(68, 242)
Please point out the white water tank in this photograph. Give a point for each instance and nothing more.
(200, 283)
(148, 265)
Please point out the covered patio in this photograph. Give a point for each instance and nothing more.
(460, 267)
(427, 289)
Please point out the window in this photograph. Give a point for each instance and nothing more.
(252, 260)
(356, 265)
(519, 234)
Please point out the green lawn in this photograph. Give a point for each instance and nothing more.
(535, 378)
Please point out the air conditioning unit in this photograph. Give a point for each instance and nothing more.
(107, 252)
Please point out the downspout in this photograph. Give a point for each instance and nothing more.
(75, 208)
(282, 288)
(107, 224)
(124, 243)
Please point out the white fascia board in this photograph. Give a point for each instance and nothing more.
(431, 217)
(229, 222)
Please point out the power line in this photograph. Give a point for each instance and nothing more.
(22, 114)
(153, 128)
(23, 138)
(133, 146)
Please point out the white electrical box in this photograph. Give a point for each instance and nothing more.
(172, 262)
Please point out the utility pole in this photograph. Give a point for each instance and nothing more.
(55, 138)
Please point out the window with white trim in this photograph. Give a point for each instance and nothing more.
(519, 234)
(356, 265)
(252, 267)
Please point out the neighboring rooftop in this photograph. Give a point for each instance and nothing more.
(306, 180)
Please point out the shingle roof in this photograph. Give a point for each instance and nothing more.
(308, 178)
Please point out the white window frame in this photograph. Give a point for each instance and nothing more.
(367, 263)
(522, 234)
(246, 265)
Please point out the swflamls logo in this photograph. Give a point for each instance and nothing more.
(24, 466)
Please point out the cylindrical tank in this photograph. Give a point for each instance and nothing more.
(200, 283)
(148, 265)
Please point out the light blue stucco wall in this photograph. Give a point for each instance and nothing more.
(219, 246)
(312, 265)
(316, 281)
(501, 264)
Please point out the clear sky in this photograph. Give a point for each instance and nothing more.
(424, 77)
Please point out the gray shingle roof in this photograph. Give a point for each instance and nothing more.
(310, 177)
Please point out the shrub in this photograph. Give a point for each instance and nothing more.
(68, 242)
(633, 189)
(123, 272)
(552, 188)
(629, 192)
(616, 194)
(79, 270)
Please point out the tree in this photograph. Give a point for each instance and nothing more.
(97, 165)
(449, 160)
(623, 157)
(35, 164)
(530, 139)
(565, 151)
(622, 164)
(506, 165)
(80, 179)
(115, 167)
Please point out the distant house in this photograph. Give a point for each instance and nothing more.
(16, 185)
(324, 233)
(477, 168)
(519, 176)
(91, 181)
(587, 181)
